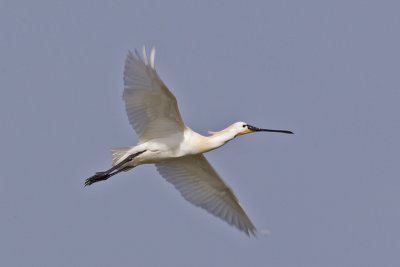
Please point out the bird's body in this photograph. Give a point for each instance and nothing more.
(174, 146)
(175, 149)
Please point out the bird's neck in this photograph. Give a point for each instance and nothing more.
(219, 139)
(196, 143)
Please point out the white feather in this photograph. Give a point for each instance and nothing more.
(152, 55)
(148, 102)
(201, 185)
(145, 55)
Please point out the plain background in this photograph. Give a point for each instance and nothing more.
(328, 70)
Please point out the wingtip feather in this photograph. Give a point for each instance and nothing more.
(145, 55)
(152, 56)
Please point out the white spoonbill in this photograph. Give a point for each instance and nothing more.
(175, 149)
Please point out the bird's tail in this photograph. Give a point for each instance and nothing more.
(118, 153)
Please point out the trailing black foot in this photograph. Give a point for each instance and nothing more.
(99, 176)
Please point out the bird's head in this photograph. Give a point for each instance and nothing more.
(242, 128)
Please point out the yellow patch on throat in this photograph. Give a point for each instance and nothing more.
(245, 132)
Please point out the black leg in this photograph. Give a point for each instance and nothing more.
(99, 176)
(102, 176)
(119, 165)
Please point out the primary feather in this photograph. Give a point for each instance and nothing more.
(152, 109)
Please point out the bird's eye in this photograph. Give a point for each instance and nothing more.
(244, 125)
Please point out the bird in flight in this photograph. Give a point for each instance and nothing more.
(175, 149)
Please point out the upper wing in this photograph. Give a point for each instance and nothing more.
(152, 109)
(201, 185)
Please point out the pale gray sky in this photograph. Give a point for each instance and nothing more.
(328, 70)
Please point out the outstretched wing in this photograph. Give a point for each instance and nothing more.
(201, 185)
(152, 109)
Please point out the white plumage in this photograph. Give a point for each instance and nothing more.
(201, 185)
(152, 109)
(174, 148)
